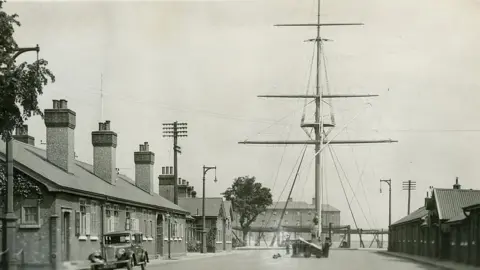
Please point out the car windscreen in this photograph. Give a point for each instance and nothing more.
(117, 239)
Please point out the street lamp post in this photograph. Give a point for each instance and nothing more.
(204, 231)
(10, 220)
(389, 182)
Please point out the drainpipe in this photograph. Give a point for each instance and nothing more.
(102, 226)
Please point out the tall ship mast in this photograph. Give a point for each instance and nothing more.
(319, 126)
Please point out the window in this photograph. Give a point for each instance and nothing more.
(274, 223)
(116, 217)
(286, 222)
(93, 220)
(83, 220)
(263, 222)
(151, 229)
(131, 221)
(286, 212)
(298, 213)
(30, 214)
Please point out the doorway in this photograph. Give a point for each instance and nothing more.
(65, 235)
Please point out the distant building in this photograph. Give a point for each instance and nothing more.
(298, 214)
(218, 213)
(218, 217)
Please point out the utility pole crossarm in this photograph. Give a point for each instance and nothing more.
(319, 24)
(317, 96)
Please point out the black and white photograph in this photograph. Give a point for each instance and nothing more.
(239, 134)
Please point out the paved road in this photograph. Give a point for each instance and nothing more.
(262, 260)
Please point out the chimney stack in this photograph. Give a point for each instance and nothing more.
(166, 183)
(104, 143)
(60, 122)
(457, 185)
(144, 160)
(21, 135)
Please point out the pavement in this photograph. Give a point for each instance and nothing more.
(440, 264)
(262, 260)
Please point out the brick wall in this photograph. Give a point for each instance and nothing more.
(61, 213)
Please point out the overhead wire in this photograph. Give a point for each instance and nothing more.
(348, 181)
(343, 187)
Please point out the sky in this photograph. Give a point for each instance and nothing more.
(205, 62)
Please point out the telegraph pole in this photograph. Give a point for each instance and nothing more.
(409, 186)
(175, 130)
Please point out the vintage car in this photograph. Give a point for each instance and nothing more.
(122, 249)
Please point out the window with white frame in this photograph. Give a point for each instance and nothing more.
(82, 219)
(116, 217)
(109, 219)
(94, 222)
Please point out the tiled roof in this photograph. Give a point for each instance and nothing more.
(301, 205)
(459, 217)
(82, 179)
(415, 215)
(451, 201)
(213, 206)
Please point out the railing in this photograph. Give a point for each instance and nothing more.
(20, 256)
(3, 252)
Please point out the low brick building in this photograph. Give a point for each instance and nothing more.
(218, 217)
(82, 201)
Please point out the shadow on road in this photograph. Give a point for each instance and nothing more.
(392, 258)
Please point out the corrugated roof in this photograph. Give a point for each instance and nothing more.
(213, 206)
(301, 205)
(451, 201)
(415, 215)
(83, 179)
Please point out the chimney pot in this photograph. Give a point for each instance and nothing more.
(55, 104)
(63, 104)
(107, 125)
(457, 185)
(100, 126)
(163, 170)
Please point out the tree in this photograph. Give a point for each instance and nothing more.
(23, 185)
(20, 85)
(249, 199)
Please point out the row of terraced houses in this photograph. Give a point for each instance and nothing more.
(80, 202)
(446, 227)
